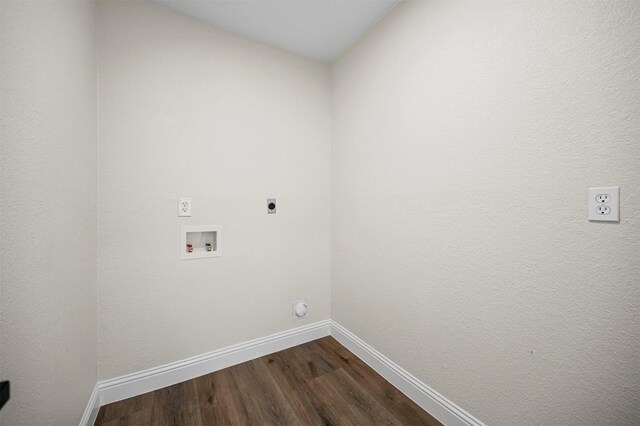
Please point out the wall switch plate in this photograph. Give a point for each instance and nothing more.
(604, 204)
(184, 207)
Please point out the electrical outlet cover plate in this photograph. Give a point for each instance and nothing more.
(184, 207)
(604, 204)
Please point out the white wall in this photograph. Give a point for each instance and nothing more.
(465, 135)
(189, 110)
(48, 210)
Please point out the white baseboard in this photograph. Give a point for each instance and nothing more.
(166, 375)
(93, 406)
(124, 387)
(431, 401)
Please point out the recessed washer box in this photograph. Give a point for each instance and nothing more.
(199, 242)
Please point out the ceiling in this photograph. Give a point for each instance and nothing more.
(319, 29)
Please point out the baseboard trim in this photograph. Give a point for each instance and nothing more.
(93, 406)
(431, 401)
(166, 375)
(130, 385)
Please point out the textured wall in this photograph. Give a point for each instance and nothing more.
(465, 135)
(48, 210)
(188, 110)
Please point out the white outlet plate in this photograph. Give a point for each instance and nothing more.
(604, 204)
(184, 207)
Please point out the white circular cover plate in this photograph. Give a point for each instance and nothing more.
(301, 309)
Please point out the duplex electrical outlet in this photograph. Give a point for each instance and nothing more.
(604, 204)
(184, 207)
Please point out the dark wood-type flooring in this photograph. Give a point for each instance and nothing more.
(318, 383)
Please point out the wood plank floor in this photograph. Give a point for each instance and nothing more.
(318, 383)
